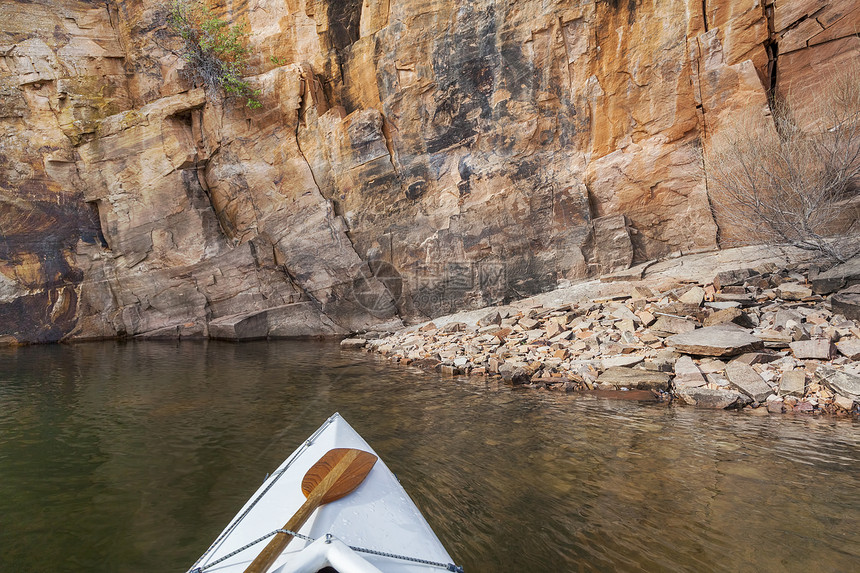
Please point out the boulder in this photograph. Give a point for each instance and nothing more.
(514, 374)
(843, 402)
(695, 296)
(732, 277)
(775, 338)
(838, 277)
(612, 244)
(491, 318)
(454, 327)
(621, 377)
(843, 383)
(245, 326)
(775, 406)
(744, 377)
(846, 303)
(667, 325)
(721, 340)
(783, 315)
(304, 320)
(758, 357)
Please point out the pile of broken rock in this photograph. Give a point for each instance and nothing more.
(783, 339)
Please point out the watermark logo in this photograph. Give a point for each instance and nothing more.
(368, 291)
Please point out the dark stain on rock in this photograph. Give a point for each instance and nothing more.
(43, 317)
(344, 19)
(416, 190)
(44, 234)
(526, 169)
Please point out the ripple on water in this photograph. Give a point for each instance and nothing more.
(144, 451)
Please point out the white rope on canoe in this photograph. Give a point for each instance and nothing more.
(246, 546)
(446, 566)
(272, 480)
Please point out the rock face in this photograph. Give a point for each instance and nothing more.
(411, 158)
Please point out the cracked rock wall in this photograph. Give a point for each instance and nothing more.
(411, 157)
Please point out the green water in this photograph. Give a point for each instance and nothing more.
(133, 457)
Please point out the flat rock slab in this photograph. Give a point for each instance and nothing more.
(623, 360)
(849, 348)
(793, 383)
(672, 325)
(687, 374)
(622, 377)
(842, 383)
(353, 343)
(723, 305)
(821, 349)
(742, 299)
(744, 377)
(715, 398)
(720, 340)
(793, 291)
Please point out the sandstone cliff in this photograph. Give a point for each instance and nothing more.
(411, 157)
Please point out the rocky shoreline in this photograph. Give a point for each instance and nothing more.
(777, 337)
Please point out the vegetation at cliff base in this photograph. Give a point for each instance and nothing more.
(216, 53)
(793, 178)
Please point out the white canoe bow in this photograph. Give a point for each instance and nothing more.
(374, 529)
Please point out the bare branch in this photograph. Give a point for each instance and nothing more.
(787, 183)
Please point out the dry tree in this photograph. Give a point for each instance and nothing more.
(796, 179)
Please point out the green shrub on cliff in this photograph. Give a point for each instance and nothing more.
(217, 53)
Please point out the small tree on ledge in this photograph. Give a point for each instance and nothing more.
(216, 53)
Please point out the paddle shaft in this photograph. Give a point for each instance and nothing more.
(277, 545)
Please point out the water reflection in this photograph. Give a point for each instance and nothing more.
(132, 457)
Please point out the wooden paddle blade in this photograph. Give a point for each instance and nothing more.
(349, 479)
(336, 474)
